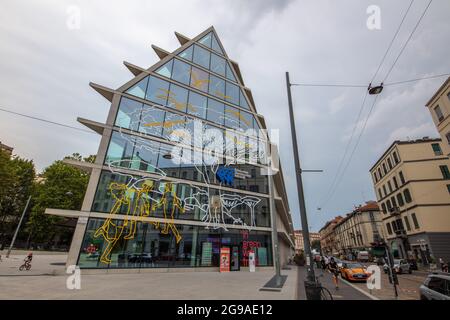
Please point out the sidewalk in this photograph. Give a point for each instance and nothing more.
(345, 292)
(47, 280)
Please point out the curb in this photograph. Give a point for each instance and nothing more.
(360, 290)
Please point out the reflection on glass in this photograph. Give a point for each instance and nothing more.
(129, 114)
(139, 88)
(181, 71)
(215, 111)
(201, 56)
(157, 91)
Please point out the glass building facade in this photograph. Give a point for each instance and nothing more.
(180, 174)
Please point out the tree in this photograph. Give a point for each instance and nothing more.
(16, 185)
(316, 245)
(62, 187)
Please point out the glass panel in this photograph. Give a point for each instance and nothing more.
(152, 121)
(246, 120)
(217, 87)
(231, 117)
(181, 71)
(129, 114)
(215, 111)
(138, 89)
(217, 64)
(230, 74)
(199, 79)
(145, 155)
(187, 54)
(206, 40)
(232, 93)
(157, 91)
(119, 149)
(166, 69)
(172, 122)
(243, 101)
(166, 161)
(177, 98)
(197, 105)
(201, 56)
(215, 45)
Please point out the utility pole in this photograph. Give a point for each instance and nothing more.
(18, 227)
(310, 281)
(270, 173)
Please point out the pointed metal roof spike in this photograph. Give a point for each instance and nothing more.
(135, 70)
(93, 125)
(160, 52)
(235, 66)
(104, 91)
(182, 39)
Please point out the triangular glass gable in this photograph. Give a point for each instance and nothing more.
(186, 54)
(229, 73)
(166, 69)
(206, 40)
(215, 45)
(139, 88)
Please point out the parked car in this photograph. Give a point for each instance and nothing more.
(435, 287)
(363, 256)
(354, 271)
(400, 266)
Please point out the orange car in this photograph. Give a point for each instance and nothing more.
(354, 271)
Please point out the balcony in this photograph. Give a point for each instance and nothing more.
(395, 211)
(401, 233)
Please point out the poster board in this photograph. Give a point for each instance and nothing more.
(206, 254)
(224, 259)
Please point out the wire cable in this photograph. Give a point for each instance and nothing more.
(332, 188)
(407, 41)
(329, 85)
(417, 79)
(346, 150)
(393, 39)
(45, 120)
(356, 146)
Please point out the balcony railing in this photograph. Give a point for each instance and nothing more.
(395, 211)
(401, 233)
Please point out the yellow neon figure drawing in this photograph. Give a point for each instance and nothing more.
(166, 204)
(125, 195)
(111, 231)
(166, 124)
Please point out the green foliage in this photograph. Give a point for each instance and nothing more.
(316, 245)
(299, 258)
(16, 185)
(62, 187)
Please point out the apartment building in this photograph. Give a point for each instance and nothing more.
(412, 184)
(6, 148)
(299, 244)
(358, 230)
(439, 107)
(327, 237)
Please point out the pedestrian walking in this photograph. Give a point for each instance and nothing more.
(442, 263)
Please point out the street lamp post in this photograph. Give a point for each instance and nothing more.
(18, 227)
(310, 279)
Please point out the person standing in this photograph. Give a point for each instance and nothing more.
(441, 262)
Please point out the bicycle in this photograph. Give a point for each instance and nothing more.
(325, 294)
(26, 265)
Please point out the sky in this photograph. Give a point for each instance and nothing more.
(47, 60)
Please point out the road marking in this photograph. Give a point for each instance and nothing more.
(360, 290)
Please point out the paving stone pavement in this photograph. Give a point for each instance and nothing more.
(38, 283)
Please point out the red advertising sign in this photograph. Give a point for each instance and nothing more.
(224, 259)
